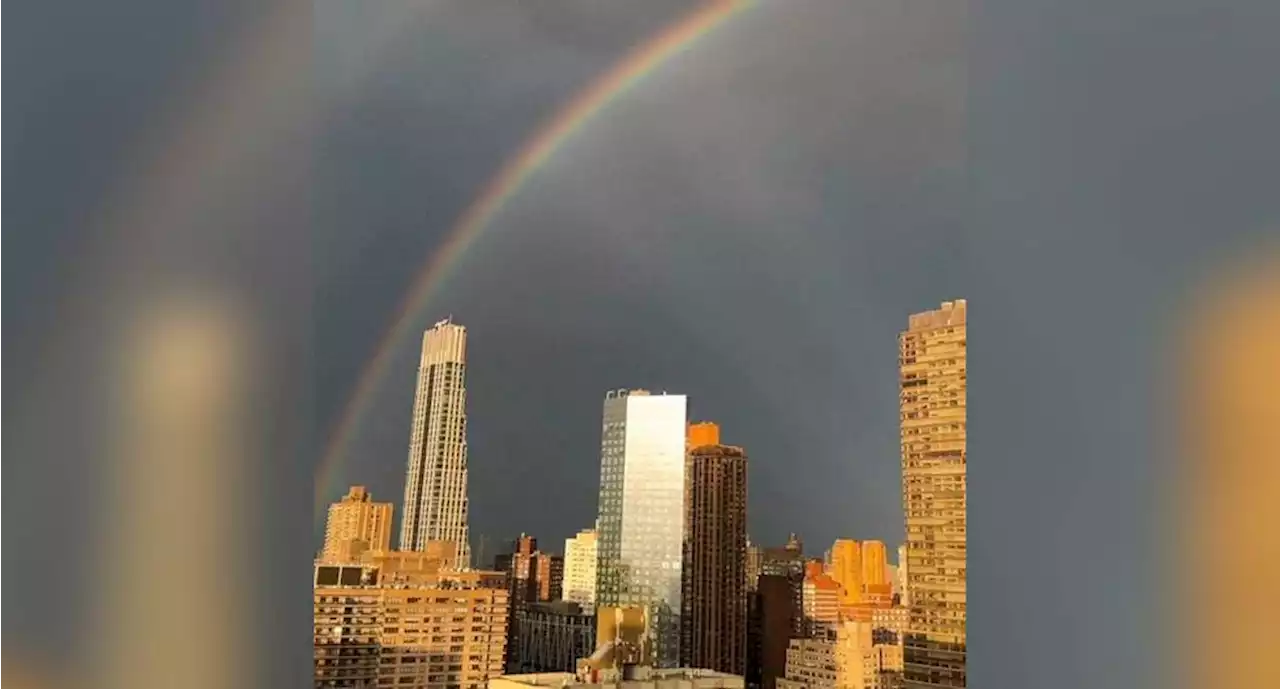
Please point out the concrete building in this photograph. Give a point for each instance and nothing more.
(933, 382)
(554, 635)
(580, 554)
(846, 656)
(714, 614)
(435, 487)
(846, 568)
(404, 622)
(641, 507)
(356, 524)
(874, 562)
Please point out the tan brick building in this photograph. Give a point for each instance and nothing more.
(402, 621)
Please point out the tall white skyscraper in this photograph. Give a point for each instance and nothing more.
(435, 487)
(642, 455)
(580, 554)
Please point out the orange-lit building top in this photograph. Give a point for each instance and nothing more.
(703, 433)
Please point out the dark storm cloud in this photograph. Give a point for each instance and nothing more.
(725, 230)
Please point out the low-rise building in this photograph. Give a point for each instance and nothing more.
(553, 636)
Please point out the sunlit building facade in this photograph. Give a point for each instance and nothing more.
(356, 524)
(933, 383)
(435, 487)
(641, 510)
(393, 621)
(846, 569)
(580, 553)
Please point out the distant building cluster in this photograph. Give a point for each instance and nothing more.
(667, 589)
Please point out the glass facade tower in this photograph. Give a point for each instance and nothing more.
(642, 453)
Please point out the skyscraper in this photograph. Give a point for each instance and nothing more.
(435, 487)
(874, 564)
(933, 381)
(642, 453)
(356, 524)
(846, 568)
(714, 615)
(580, 568)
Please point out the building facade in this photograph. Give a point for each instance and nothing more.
(772, 611)
(821, 602)
(846, 568)
(416, 628)
(755, 560)
(900, 578)
(932, 395)
(789, 563)
(714, 597)
(356, 524)
(580, 554)
(553, 636)
(641, 510)
(532, 577)
(435, 487)
(846, 656)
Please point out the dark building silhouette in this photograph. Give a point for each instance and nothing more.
(772, 615)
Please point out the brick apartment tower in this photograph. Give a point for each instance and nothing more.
(714, 610)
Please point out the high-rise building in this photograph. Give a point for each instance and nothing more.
(874, 561)
(580, 554)
(846, 568)
(532, 576)
(642, 452)
(356, 524)
(401, 621)
(789, 563)
(773, 612)
(435, 487)
(876, 588)
(933, 382)
(714, 615)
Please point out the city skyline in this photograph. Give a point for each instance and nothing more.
(582, 429)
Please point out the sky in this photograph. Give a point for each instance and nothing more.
(750, 226)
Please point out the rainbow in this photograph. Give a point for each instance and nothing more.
(537, 150)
